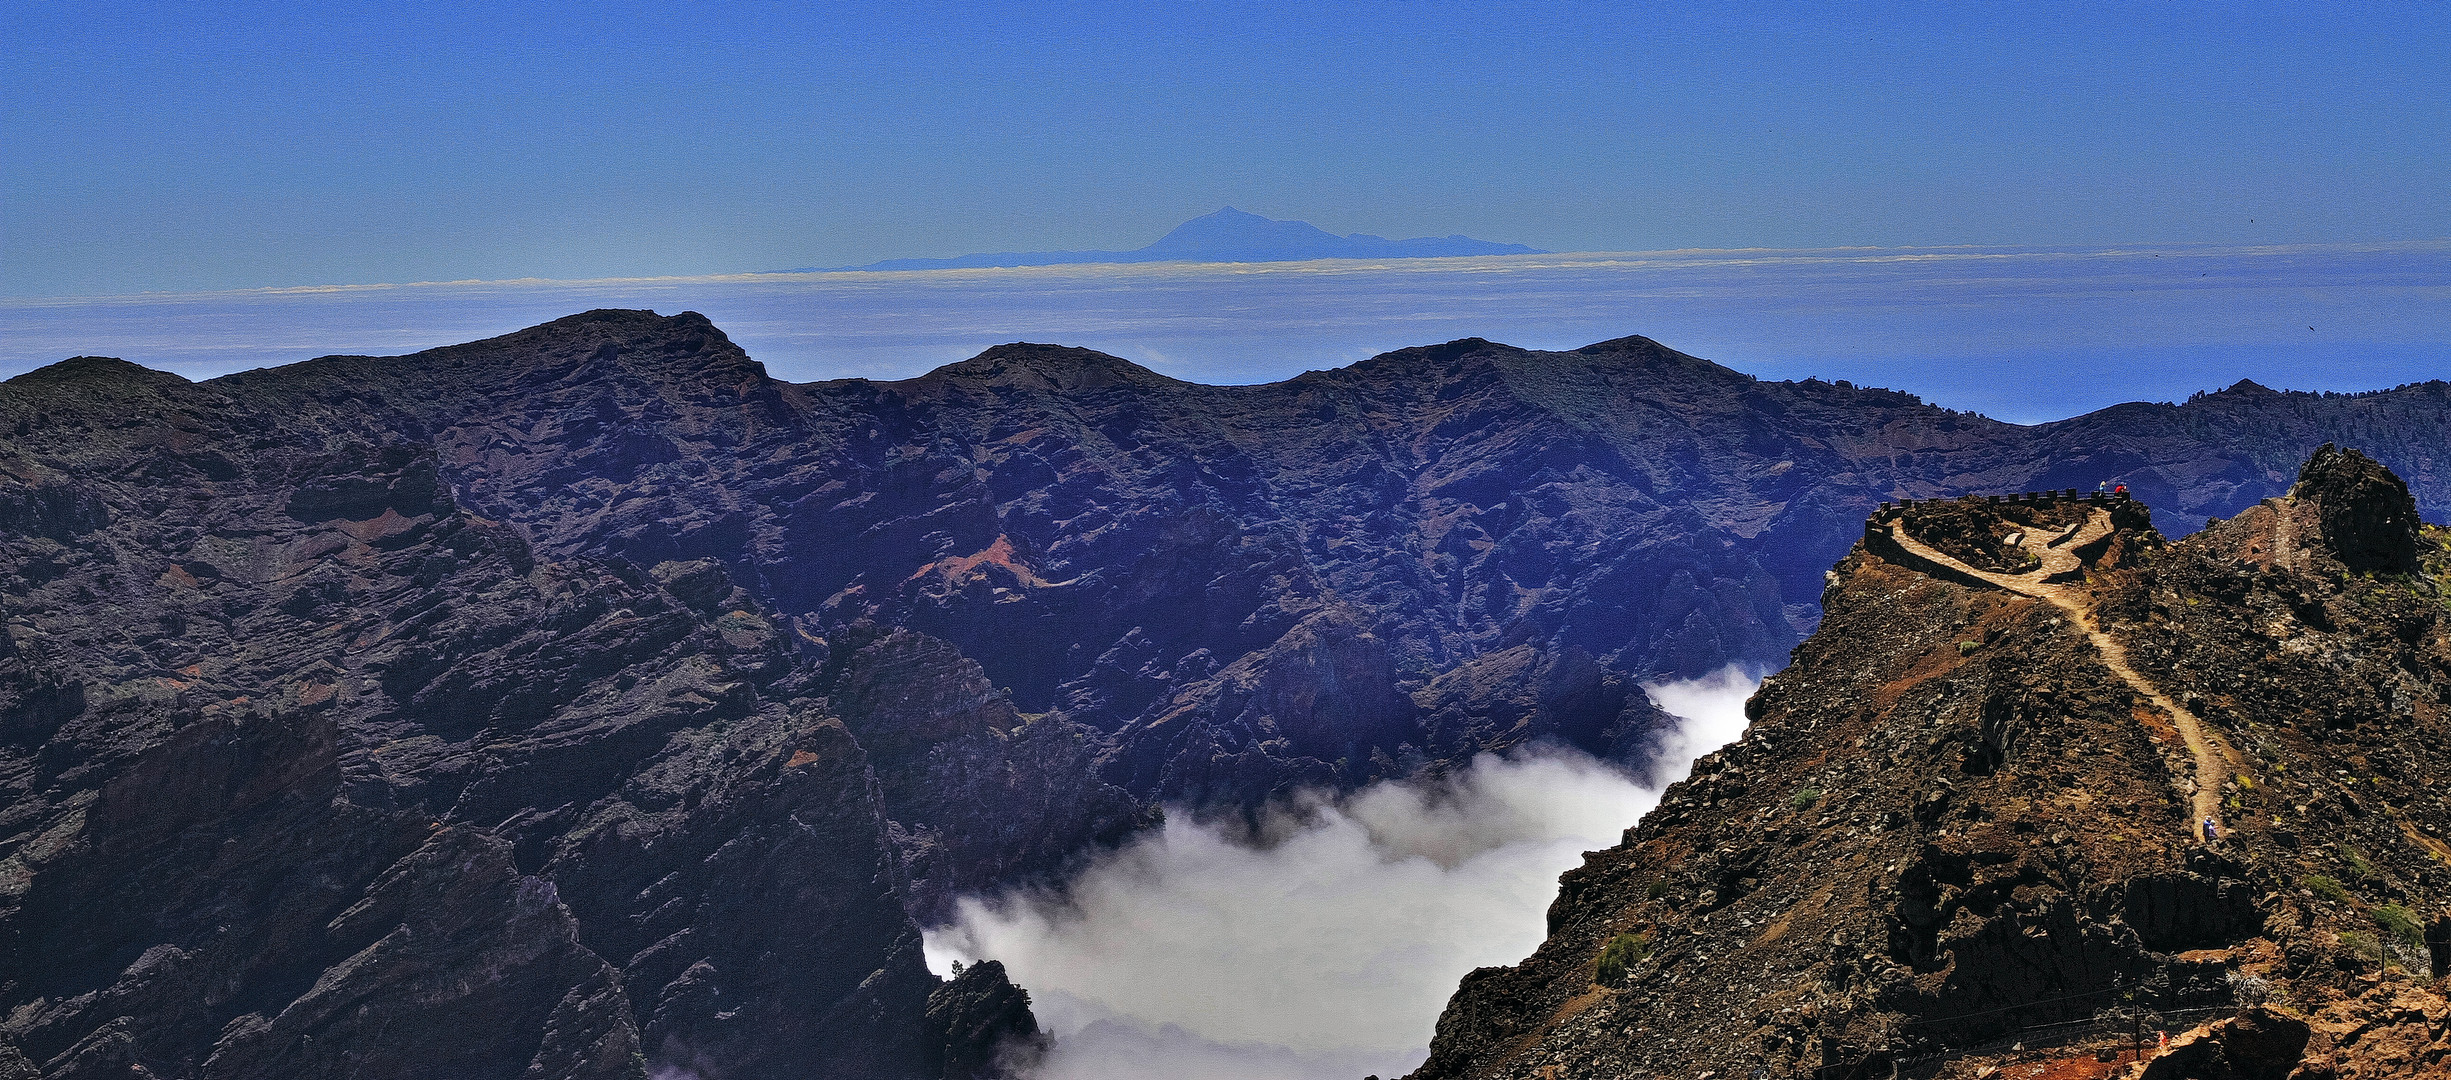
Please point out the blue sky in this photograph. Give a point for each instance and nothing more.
(236, 145)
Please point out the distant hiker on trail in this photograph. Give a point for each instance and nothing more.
(2212, 832)
(2102, 485)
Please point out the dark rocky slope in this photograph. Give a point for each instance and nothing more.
(1953, 819)
(307, 769)
(1329, 579)
(667, 695)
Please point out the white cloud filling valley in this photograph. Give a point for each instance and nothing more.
(1326, 945)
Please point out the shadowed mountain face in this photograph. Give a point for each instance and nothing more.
(672, 695)
(1229, 235)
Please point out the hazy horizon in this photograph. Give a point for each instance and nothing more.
(2019, 334)
(249, 144)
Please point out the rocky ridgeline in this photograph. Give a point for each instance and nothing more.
(672, 698)
(1953, 824)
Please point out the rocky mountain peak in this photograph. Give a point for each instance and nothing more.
(2039, 778)
(94, 369)
(1048, 367)
(2369, 519)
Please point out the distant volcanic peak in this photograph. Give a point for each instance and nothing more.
(1231, 235)
(1232, 232)
(1228, 235)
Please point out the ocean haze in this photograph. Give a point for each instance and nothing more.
(2022, 334)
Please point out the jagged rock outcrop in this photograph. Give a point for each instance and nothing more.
(985, 1024)
(1972, 806)
(2367, 518)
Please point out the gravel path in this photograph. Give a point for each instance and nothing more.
(2214, 761)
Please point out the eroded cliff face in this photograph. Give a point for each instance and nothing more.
(1246, 590)
(1974, 804)
(310, 770)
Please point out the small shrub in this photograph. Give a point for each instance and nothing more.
(1621, 952)
(2357, 863)
(2399, 922)
(2363, 944)
(1967, 648)
(2325, 887)
(1656, 889)
(1804, 798)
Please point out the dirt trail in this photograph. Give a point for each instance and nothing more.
(2214, 762)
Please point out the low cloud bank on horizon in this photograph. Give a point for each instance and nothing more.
(2022, 334)
(1325, 946)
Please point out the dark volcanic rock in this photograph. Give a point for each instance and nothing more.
(985, 1024)
(308, 770)
(983, 796)
(1521, 536)
(667, 694)
(2368, 518)
(1961, 815)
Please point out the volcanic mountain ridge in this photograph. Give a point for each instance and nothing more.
(675, 698)
(1974, 813)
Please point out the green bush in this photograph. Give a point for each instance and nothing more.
(1658, 888)
(2325, 887)
(2400, 923)
(1803, 798)
(1967, 648)
(2364, 945)
(1622, 952)
(2357, 863)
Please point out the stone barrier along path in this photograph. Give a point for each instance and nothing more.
(2214, 761)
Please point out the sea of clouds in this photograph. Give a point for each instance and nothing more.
(2023, 334)
(1324, 943)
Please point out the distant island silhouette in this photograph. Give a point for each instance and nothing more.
(1229, 235)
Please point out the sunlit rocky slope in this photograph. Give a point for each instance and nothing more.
(1976, 806)
(671, 698)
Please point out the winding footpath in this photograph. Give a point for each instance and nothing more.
(2214, 761)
